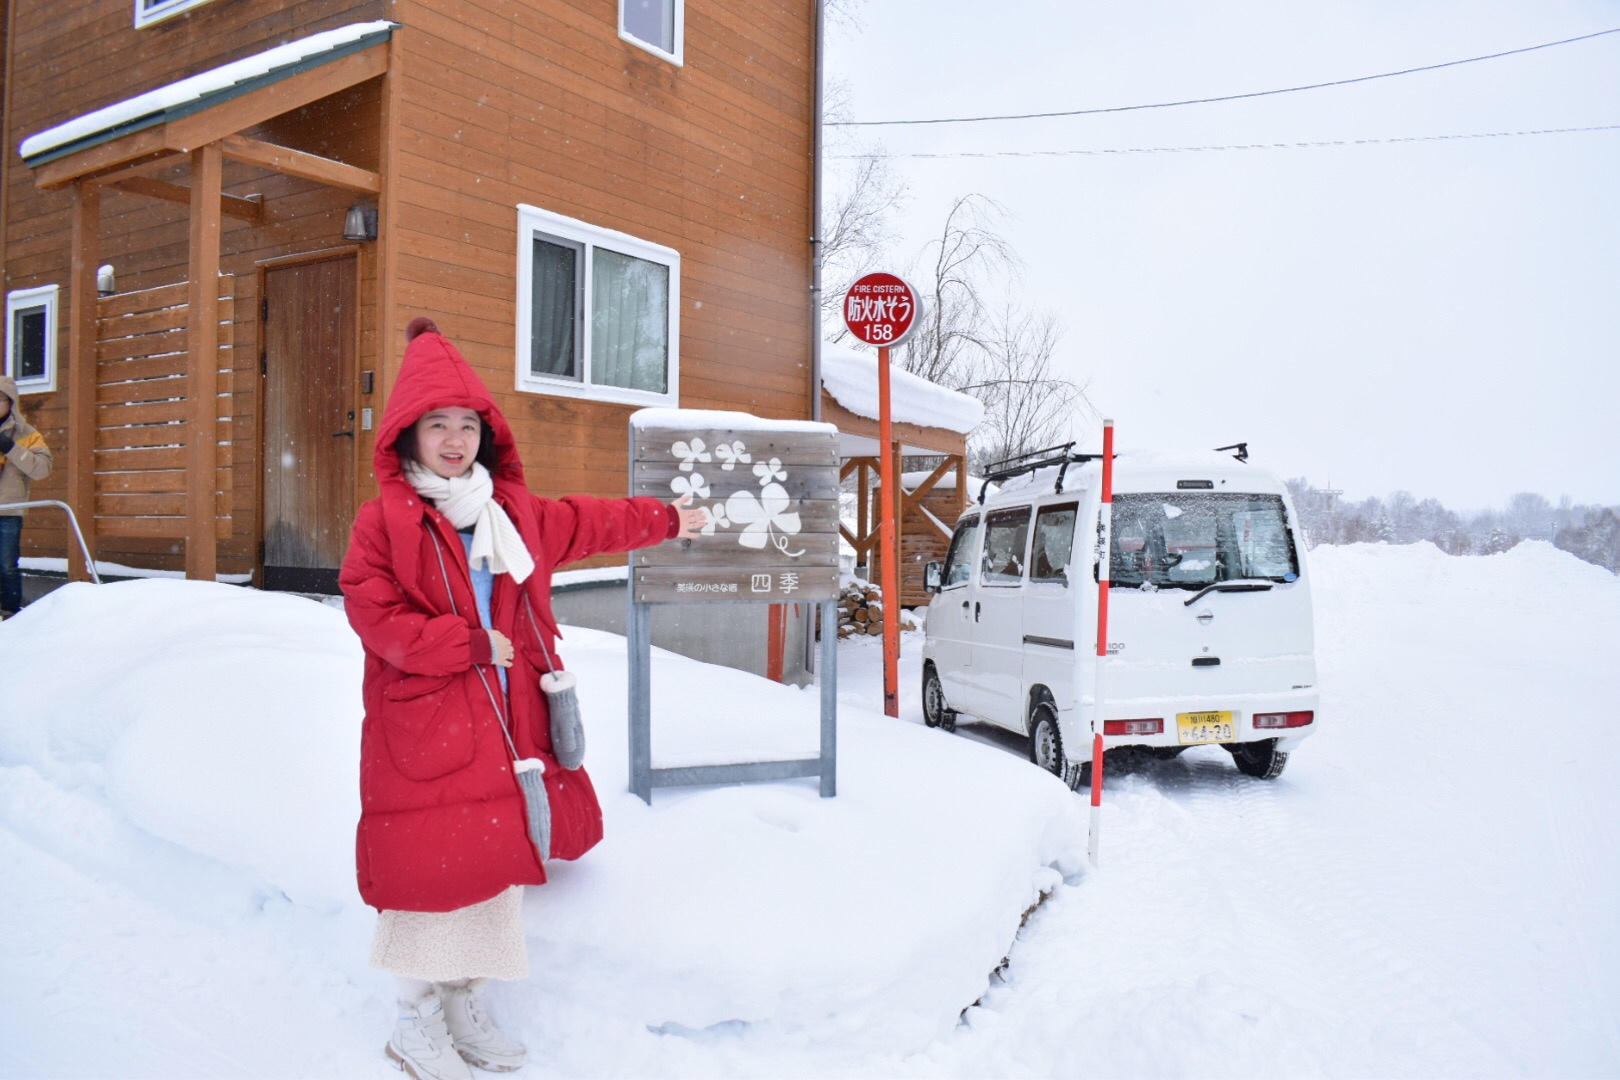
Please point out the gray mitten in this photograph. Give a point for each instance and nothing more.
(567, 729)
(531, 775)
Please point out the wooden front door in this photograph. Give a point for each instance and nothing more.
(309, 426)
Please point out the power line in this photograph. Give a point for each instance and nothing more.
(1314, 144)
(1223, 97)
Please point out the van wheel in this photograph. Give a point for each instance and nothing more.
(1046, 750)
(935, 712)
(1258, 759)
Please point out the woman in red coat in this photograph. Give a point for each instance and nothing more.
(448, 584)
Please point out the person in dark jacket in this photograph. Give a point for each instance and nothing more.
(447, 582)
(24, 458)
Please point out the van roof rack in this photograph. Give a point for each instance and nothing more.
(1019, 464)
(1242, 449)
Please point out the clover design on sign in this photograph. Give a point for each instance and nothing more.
(694, 485)
(717, 519)
(769, 471)
(690, 453)
(766, 517)
(731, 453)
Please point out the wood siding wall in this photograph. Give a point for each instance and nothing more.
(53, 46)
(499, 102)
(542, 103)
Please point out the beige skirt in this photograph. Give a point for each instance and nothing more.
(480, 941)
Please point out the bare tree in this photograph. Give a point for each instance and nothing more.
(1027, 404)
(861, 196)
(958, 271)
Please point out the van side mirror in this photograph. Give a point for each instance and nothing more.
(932, 577)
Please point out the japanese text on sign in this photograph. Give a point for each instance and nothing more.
(881, 309)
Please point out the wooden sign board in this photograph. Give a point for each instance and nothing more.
(771, 492)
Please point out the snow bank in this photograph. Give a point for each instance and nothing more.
(851, 378)
(208, 735)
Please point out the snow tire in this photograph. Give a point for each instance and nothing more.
(1046, 749)
(935, 712)
(1261, 760)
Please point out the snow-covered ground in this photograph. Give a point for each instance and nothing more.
(1429, 890)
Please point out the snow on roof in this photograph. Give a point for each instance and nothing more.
(851, 378)
(720, 420)
(193, 94)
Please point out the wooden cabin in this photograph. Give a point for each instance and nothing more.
(605, 204)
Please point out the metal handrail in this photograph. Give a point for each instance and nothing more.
(72, 520)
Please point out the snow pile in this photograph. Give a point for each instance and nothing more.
(1427, 891)
(851, 378)
(188, 753)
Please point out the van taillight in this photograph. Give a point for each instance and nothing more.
(1283, 719)
(1133, 727)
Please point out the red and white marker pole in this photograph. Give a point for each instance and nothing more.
(1105, 527)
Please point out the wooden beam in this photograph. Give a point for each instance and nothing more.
(137, 149)
(214, 123)
(82, 371)
(202, 362)
(237, 114)
(297, 163)
(250, 210)
(140, 168)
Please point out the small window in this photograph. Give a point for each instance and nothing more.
(148, 12)
(1054, 539)
(1006, 540)
(31, 339)
(959, 562)
(598, 312)
(654, 25)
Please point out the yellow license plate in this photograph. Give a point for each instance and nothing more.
(1205, 727)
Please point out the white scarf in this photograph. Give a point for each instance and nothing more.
(466, 500)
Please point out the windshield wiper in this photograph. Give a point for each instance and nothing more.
(1249, 585)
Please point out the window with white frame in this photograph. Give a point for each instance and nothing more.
(31, 339)
(598, 312)
(148, 12)
(655, 25)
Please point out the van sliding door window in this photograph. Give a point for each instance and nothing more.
(1188, 540)
(1054, 539)
(1006, 539)
(959, 561)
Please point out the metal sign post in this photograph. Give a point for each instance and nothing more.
(771, 492)
(882, 309)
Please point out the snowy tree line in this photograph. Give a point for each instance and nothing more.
(1588, 532)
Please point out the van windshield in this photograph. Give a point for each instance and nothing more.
(1187, 540)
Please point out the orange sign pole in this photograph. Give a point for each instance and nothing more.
(888, 472)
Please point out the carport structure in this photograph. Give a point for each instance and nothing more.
(927, 421)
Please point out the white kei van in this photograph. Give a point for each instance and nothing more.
(1210, 637)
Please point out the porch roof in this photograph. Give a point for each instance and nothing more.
(202, 91)
(928, 418)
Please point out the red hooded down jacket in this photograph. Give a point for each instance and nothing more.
(441, 822)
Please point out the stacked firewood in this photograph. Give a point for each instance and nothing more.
(860, 611)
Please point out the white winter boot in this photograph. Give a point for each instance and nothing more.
(421, 1045)
(478, 1040)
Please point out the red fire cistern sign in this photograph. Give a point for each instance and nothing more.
(881, 309)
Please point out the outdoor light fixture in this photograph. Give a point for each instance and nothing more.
(106, 280)
(360, 223)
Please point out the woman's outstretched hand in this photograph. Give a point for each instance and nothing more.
(692, 521)
(501, 646)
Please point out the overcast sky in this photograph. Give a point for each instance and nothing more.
(1440, 317)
